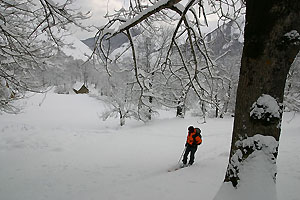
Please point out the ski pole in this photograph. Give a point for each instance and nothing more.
(182, 154)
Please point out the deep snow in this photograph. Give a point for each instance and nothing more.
(59, 149)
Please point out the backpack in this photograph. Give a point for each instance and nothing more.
(198, 132)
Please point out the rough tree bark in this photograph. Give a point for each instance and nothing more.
(271, 42)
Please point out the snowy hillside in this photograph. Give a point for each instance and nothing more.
(115, 42)
(59, 149)
(76, 49)
(227, 39)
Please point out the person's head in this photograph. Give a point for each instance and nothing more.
(191, 129)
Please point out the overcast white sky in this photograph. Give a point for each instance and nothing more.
(98, 9)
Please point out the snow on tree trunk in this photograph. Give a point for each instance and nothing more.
(257, 171)
(270, 46)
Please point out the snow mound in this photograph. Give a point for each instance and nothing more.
(257, 173)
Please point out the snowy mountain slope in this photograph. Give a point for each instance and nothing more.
(77, 49)
(115, 42)
(58, 148)
(227, 38)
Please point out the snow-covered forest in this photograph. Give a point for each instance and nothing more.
(155, 68)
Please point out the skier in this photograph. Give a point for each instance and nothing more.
(192, 142)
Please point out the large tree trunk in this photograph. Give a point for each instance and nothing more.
(272, 42)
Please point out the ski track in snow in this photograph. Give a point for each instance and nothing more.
(61, 150)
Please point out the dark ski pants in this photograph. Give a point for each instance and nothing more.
(189, 150)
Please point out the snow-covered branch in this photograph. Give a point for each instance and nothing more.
(30, 33)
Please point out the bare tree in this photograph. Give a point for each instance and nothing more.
(192, 69)
(271, 43)
(29, 33)
(120, 96)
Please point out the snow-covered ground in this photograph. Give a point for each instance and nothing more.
(59, 149)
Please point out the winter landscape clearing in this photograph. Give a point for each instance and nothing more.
(59, 149)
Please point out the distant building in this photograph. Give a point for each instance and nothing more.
(82, 90)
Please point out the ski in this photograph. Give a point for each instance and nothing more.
(181, 166)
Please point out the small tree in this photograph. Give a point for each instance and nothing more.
(119, 98)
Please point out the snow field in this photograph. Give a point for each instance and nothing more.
(62, 150)
(288, 162)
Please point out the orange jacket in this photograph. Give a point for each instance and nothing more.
(193, 139)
